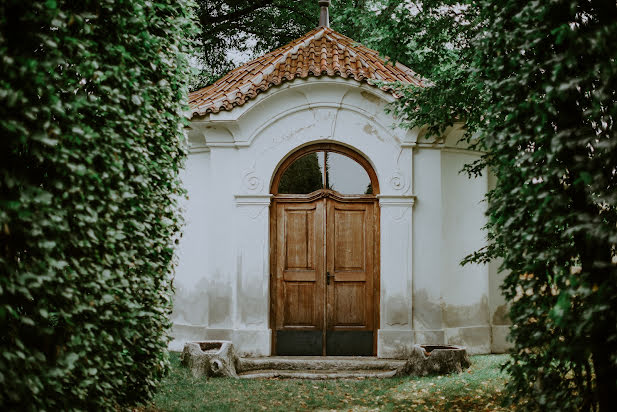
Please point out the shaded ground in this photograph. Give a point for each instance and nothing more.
(478, 389)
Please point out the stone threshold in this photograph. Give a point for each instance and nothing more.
(317, 367)
(317, 374)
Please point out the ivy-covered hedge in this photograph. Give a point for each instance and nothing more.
(91, 99)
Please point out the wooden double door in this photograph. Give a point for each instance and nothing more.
(325, 280)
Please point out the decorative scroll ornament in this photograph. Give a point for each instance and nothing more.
(397, 181)
(252, 182)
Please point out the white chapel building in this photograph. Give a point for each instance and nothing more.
(316, 226)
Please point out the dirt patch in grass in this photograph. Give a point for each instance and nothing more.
(478, 389)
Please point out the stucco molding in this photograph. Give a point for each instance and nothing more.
(228, 128)
(241, 126)
(317, 105)
(396, 200)
(253, 200)
(198, 149)
(251, 181)
(238, 112)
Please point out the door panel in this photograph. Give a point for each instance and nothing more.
(299, 304)
(324, 269)
(349, 304)
(350, 247)
(348, 237)
(300, 263)
(300, 239)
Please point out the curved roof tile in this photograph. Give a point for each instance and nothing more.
(321, 52)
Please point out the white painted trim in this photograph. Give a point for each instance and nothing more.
(463, 151)
(199, 149)
(253, 200)
(437, 146)
(396, 200)
(448, 149)
(223, 144)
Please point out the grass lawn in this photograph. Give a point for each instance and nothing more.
(478, 389)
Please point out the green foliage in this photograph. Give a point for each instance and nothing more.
(536, 83)
(302, 176)
(91, 98)
(550, 69)
(247, 27)
(435, 39)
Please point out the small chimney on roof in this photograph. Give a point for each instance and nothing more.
(324, 17)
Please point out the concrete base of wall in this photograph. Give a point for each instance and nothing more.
(430, 337)
(393, 344)
(253, 342)
(499, 342)
(477, 339)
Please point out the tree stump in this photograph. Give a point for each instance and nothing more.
(435, 360)
(210, 359)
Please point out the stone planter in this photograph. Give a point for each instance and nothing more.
(435, 360)
(210, 358)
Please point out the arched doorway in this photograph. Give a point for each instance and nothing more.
(324, 231)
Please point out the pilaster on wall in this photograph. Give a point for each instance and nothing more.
(250, 218)
(395, 337)
(251, 229)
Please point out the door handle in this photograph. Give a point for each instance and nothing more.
(328, 276)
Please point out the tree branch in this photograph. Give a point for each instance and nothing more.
(235, 15)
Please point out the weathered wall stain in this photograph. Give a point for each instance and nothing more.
(253, 307)
(371, 130)
(469, 315)
(501, 317)
(396, 311)
(289, 135)
(219, 334)
(427, 314)
(470, 337)
(430, 337)
(219, 303)
(371, 97)
(190, 304)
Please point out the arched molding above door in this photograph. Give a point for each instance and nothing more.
(348, 152)
(245, 124)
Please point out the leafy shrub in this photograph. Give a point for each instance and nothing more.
(91, 98)
(536, 83)
(552, 143)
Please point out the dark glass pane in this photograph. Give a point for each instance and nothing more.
(346, 176)
(304, 175)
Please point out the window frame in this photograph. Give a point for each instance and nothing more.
(325, 147)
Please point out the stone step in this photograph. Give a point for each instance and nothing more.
(318, 363)
(317, 374)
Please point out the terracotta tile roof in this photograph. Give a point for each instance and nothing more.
(321, 52)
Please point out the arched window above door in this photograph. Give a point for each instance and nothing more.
(325, 166)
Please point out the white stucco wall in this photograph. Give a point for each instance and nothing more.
(222, 282)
